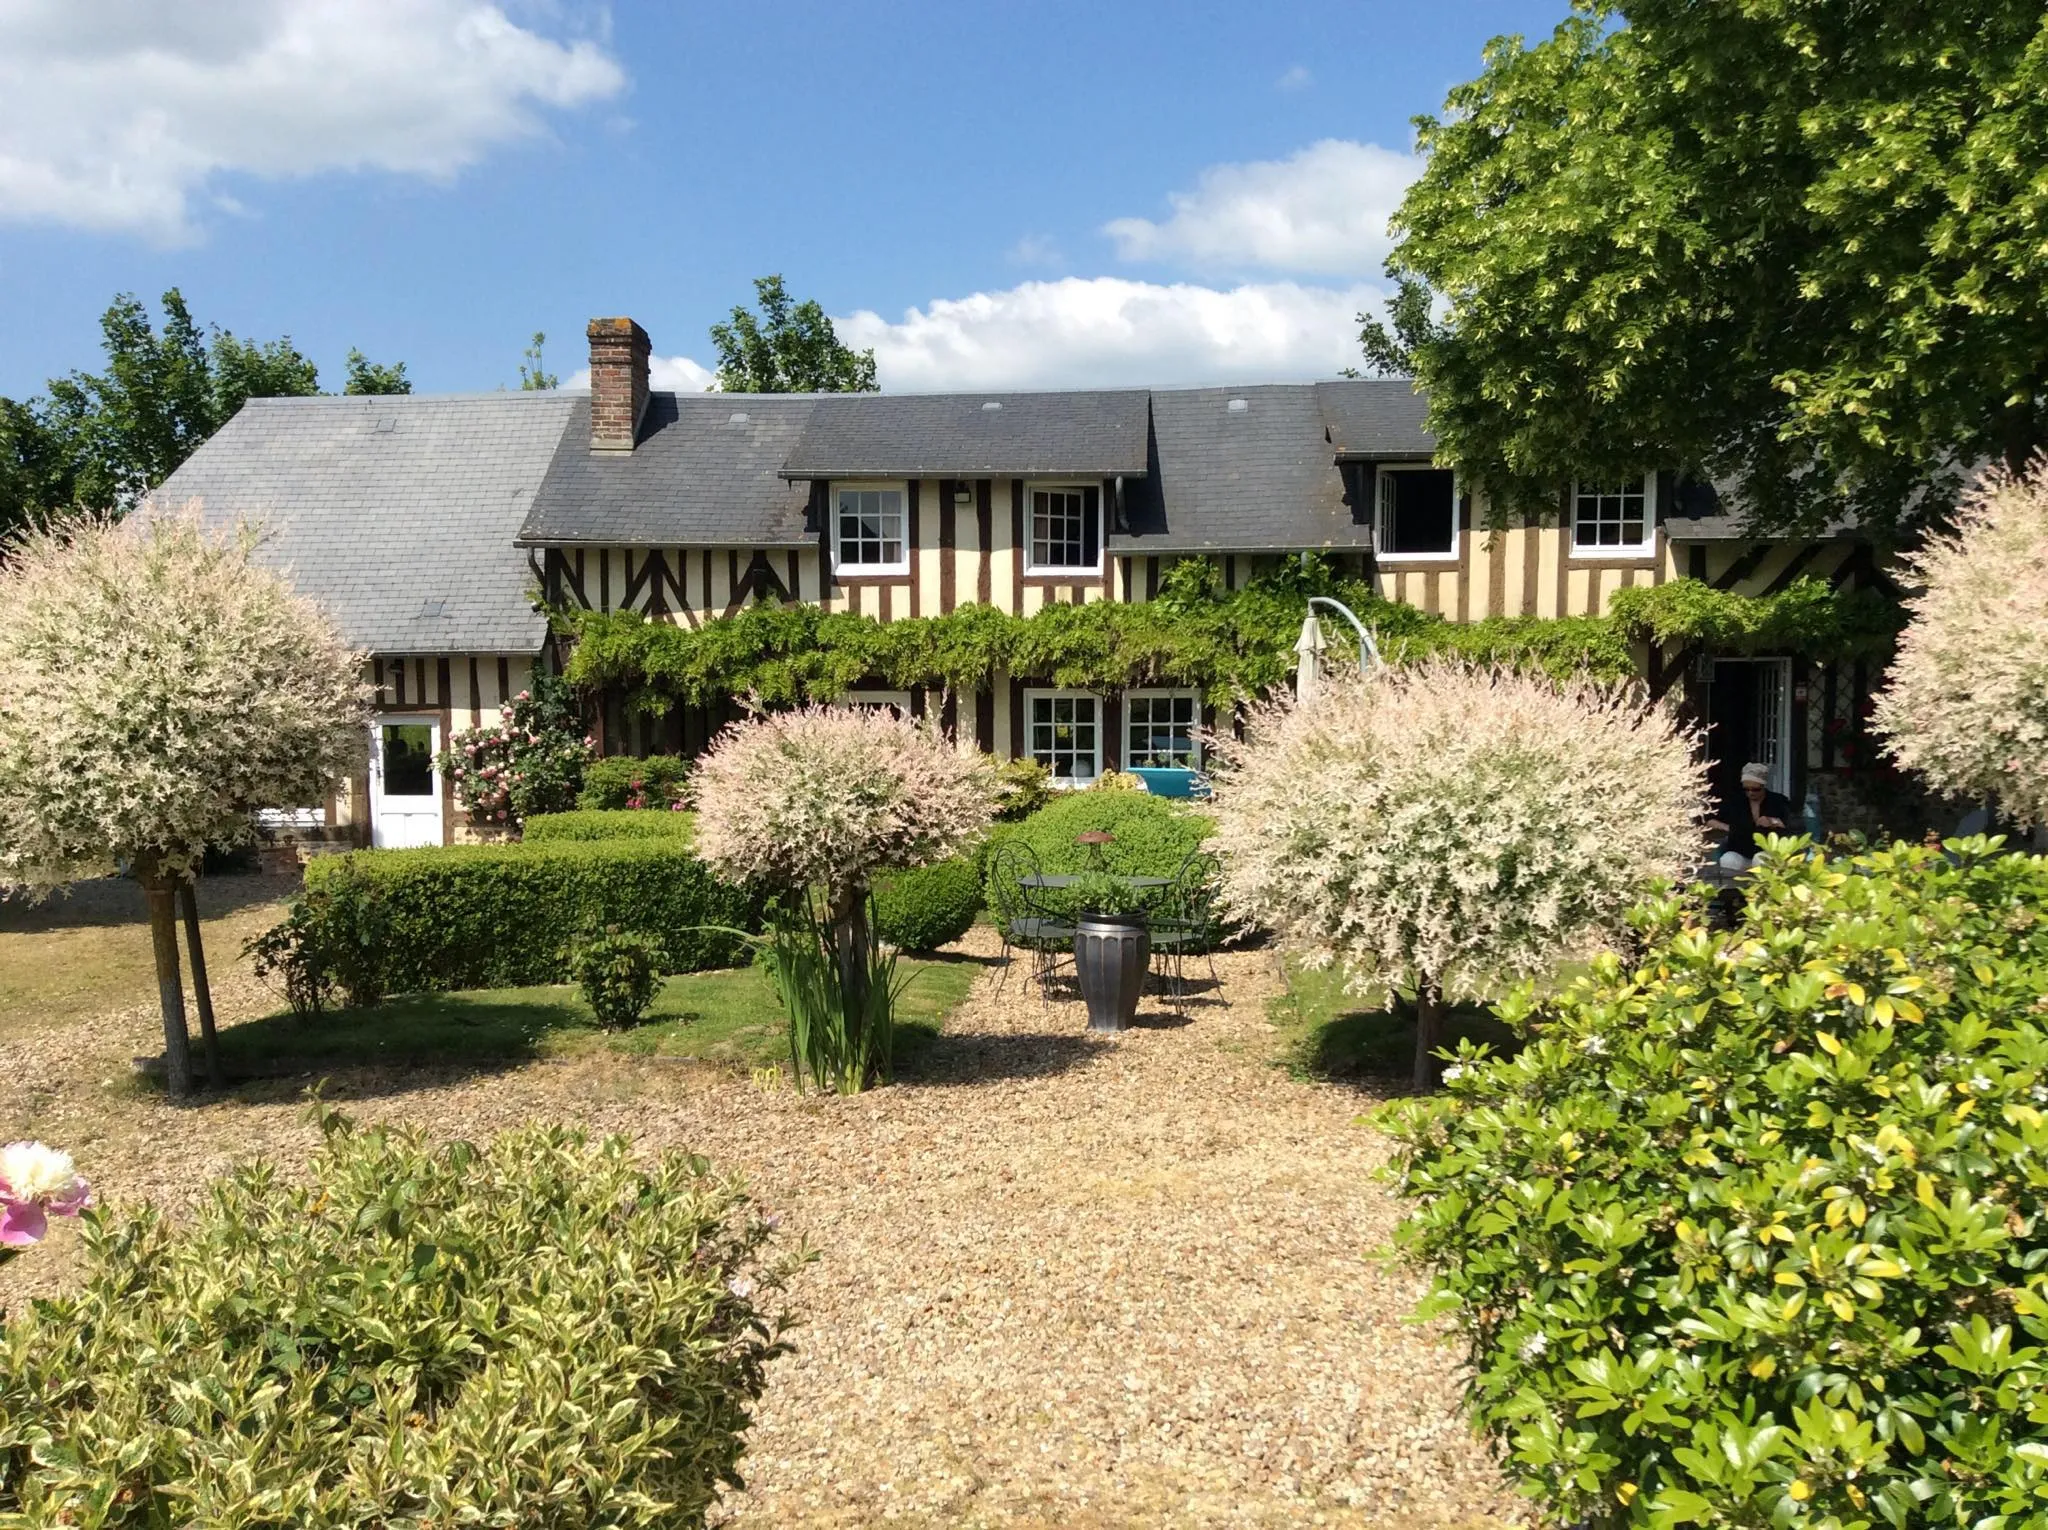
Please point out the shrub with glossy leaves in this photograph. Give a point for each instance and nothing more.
(619, 973)
(1754, 1230)
(534, 1332)
(1451, 826)
(1966, 705)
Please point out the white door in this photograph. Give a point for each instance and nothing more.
(1774, 720)
(405, 788)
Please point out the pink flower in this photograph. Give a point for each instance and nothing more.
(36, 1183)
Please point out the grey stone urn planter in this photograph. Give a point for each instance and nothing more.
(1112, 953)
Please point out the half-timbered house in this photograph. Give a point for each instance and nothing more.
(428, 524)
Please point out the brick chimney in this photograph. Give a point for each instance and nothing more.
(618, 383)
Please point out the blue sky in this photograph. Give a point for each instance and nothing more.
(1035, 194)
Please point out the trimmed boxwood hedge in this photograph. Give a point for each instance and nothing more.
(929, 907)
(499, 916)
(1153, 834)
(598, 823)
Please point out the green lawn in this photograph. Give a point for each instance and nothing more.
(1328, 1033)
(730, 1017)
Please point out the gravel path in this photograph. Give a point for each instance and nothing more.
(1065, 1281)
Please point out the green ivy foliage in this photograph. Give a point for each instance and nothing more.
(535, 1331)
(1231, 645)
(1752, 1231)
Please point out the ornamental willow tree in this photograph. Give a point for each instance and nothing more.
(156, 687)
(1795, 244)
(1451, 829)
(1966, 704)
(821, 799)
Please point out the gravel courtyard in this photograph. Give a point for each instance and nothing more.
(1063, 1281)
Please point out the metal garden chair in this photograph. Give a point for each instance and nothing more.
(1184, 922)
(1029, 921)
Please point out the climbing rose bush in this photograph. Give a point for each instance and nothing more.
(1753, 1231)
(530, 761)
(1447, 825)
(1966, 705)
(156, 686)
(36, 1183)
(828, 796)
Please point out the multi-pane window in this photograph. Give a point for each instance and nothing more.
(1066, 529)
(1065, 734)
(1418, 513)
(1612, 518)
(1159, 728)
(871, 531)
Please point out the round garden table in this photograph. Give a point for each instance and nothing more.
(1048, 880)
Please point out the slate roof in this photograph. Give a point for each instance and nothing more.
(1375, 418)
(1260, 477)
(706, 472)
(396, 513)
(972, 435)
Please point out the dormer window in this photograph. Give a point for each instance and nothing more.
(1616, 520)
(1065, 530)
(1417, 513)
(868, 535)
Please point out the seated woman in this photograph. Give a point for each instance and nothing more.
(1758, 810)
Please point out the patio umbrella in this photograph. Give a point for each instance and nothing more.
(1308, 650)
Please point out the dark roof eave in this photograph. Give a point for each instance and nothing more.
(926, 470)
(763, 544)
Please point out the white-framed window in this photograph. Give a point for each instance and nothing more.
(868, 530)
(1063, 732)
(1159, 728)
(1417, 513)
(1063, 529)
(1615, 520)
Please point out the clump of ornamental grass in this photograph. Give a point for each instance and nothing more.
(1966, 704)
(1451, 830)
(813, 804)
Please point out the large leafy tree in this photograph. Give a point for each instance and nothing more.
(101, 440)
(789, 347)
(157, 685)
(1796, 244)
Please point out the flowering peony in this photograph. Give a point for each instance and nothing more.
(1966, 704)
(36, 1183)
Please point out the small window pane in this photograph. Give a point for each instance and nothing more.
(1064, 532)
(1418, 512)
(1160, 730)
(870, 527)
(408, 759)
(1612, 516)
(1064, 736)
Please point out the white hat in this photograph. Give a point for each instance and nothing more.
(1761, 774)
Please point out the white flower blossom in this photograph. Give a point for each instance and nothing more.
(1533, 1348)
(31, 1170)
(1453, 1072)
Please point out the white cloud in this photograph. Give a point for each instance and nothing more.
(1037, 250)
(1323, 210)
(120, 115)
(1106, 331)
(665, 374)
(1297, 78)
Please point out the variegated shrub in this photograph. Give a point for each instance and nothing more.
(1966, 704)
(1452, 829)
(537, 1331)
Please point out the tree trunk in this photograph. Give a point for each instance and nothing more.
(1429, 1032)
(850, 946)
(161, 891)
(202, 992)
